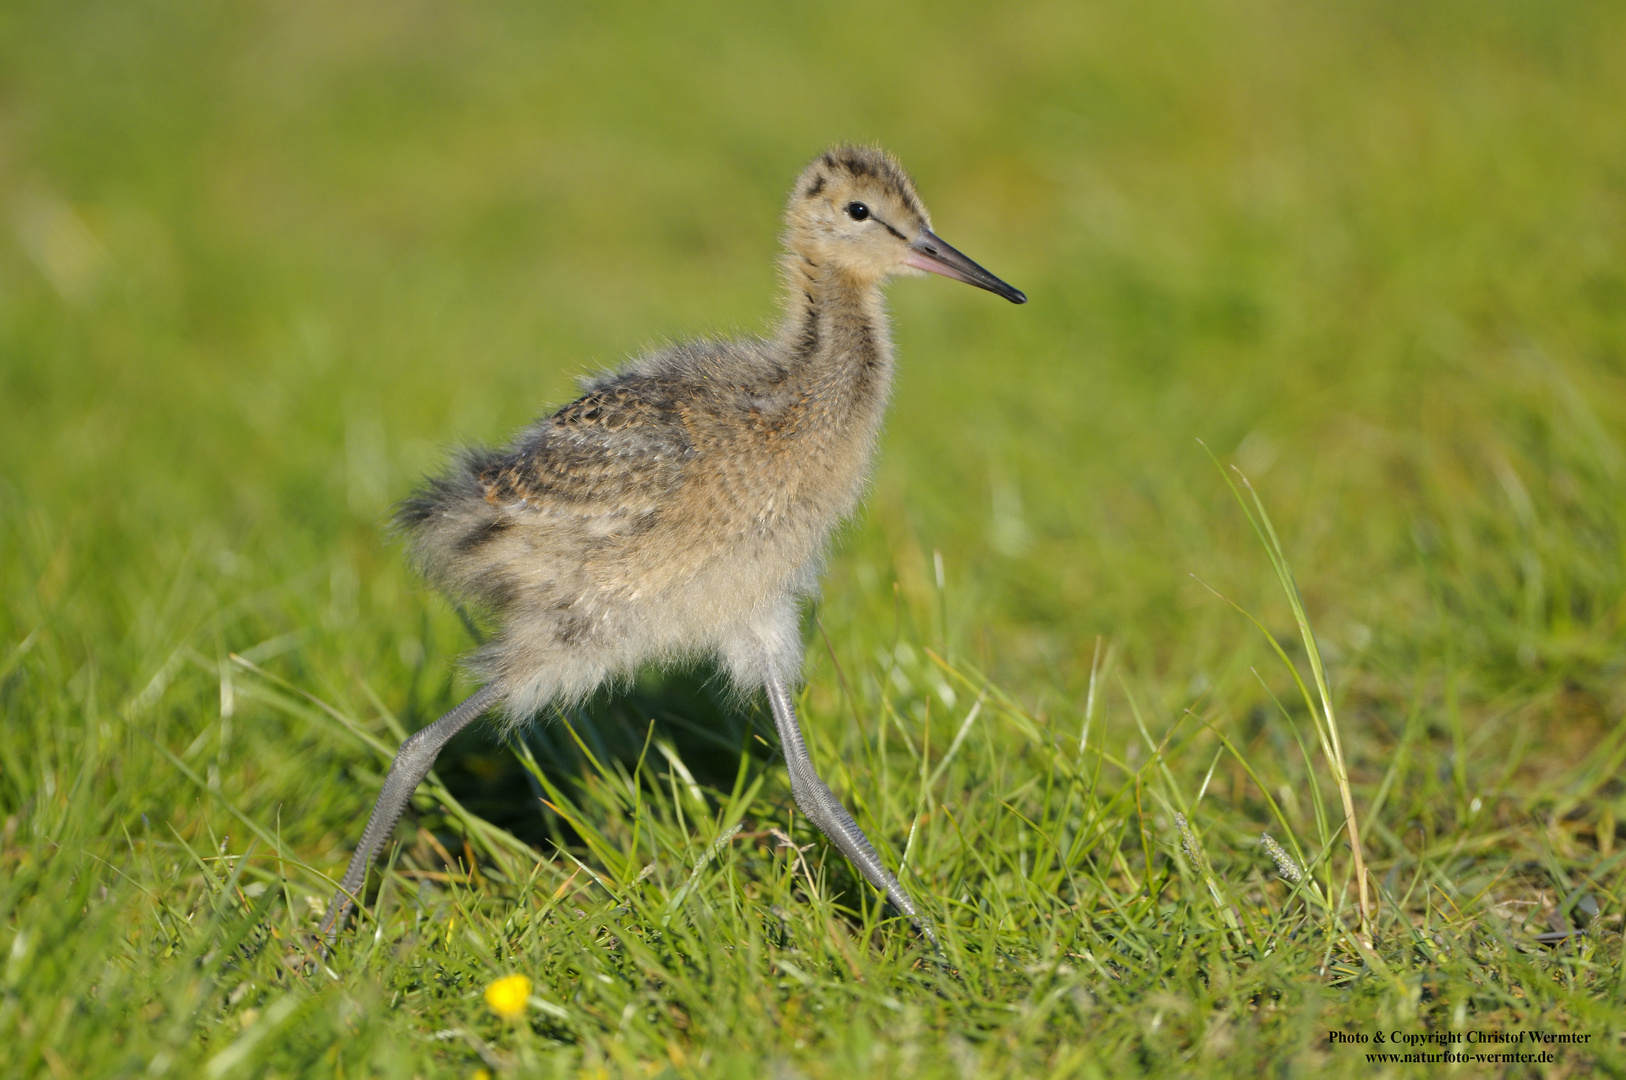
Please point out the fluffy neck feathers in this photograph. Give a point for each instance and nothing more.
(837, 339)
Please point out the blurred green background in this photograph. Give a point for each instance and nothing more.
(265, 262)
(262, 264)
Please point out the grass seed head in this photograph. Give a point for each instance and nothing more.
(1284, 862)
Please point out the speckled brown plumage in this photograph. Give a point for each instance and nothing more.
(682, 505)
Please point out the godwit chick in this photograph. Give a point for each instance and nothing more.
(682, 507)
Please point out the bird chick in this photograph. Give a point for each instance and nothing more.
(683, 505)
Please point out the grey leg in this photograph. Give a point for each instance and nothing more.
(820, 804)
(412, 763)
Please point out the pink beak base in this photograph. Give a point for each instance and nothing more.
(932, 255)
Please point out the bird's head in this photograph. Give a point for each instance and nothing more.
(855, 210)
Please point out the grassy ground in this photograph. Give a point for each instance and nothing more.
(261, 263)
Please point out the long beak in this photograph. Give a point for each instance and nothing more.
(931, 254)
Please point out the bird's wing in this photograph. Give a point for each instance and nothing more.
(622, 450)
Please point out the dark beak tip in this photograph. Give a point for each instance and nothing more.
(1017, 297)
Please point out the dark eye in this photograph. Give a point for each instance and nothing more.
(857, 211)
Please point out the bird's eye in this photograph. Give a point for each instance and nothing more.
(857, 211)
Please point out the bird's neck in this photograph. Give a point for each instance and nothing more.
(838, 340)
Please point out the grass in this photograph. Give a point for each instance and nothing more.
(261, 264)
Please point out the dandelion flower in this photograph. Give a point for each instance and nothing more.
(508, 996)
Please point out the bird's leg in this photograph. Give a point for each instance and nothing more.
(412, 763)
(820, 804)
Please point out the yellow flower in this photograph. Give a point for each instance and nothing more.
(508, 996)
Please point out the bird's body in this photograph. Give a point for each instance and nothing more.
(683, 505)
(680, 507)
